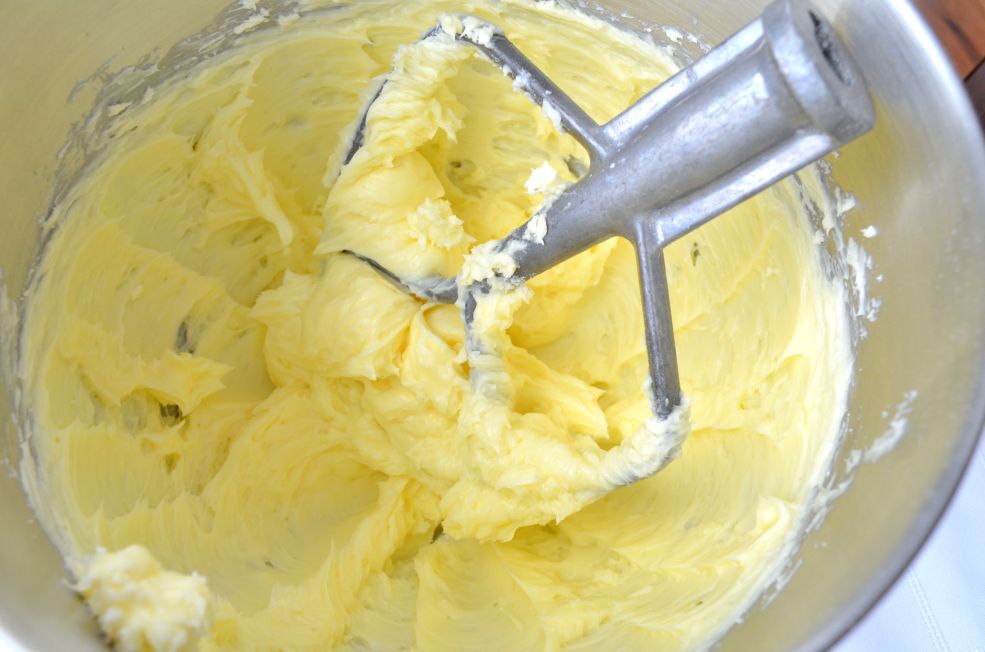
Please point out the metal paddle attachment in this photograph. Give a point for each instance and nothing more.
(777, 95)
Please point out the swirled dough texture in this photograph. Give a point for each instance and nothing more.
(214, 380)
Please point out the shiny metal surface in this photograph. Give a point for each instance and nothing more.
(777, 95)
(919, 178)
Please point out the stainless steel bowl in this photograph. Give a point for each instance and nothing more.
(919, 178)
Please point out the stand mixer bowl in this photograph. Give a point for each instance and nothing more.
(919, 178)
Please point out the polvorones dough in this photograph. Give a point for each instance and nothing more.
(220, 392)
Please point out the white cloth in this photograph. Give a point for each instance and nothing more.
(938, 605)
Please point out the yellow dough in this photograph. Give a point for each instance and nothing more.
(139, 604)
(219, 390)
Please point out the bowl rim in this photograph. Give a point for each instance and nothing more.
(972, 150)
